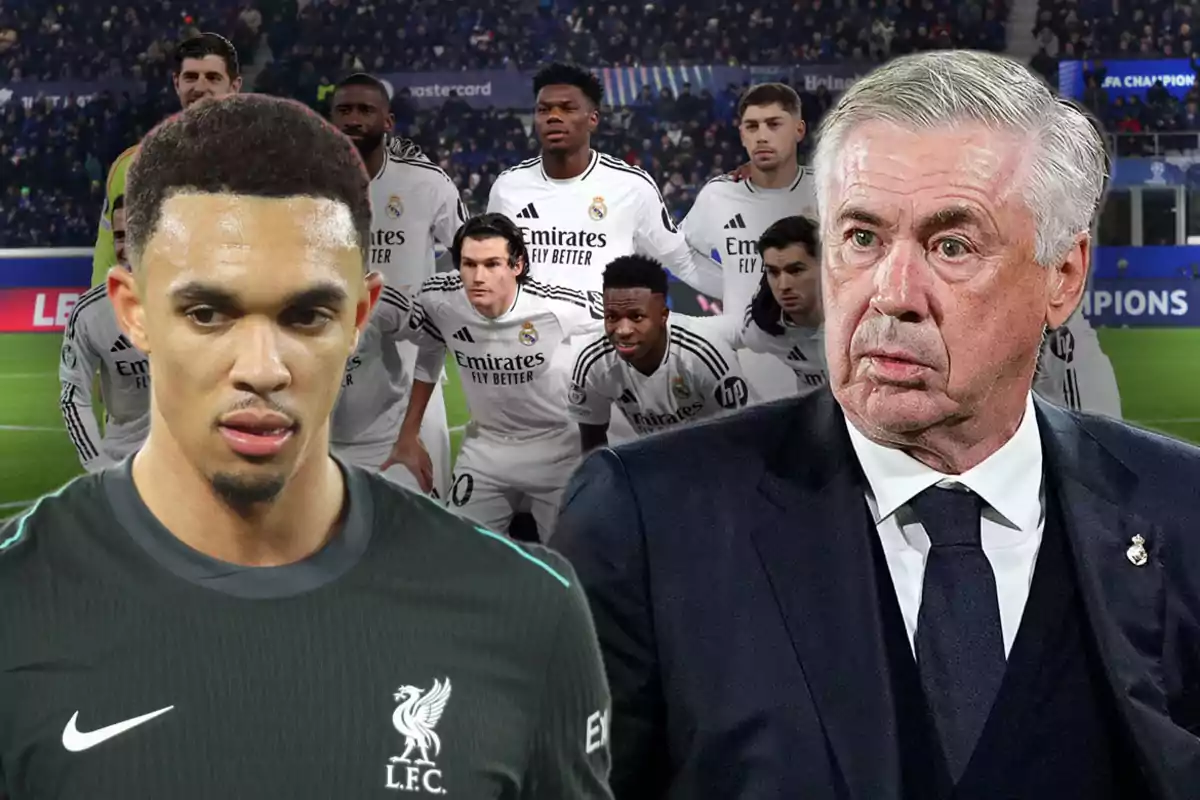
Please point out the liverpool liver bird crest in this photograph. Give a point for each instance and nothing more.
(416, 718)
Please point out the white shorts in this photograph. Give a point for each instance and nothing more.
(370, 455)
(435, 435)
(769, 378)
(495, 477)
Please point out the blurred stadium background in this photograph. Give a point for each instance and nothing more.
(80, 81)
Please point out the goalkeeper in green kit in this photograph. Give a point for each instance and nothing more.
(205, 66)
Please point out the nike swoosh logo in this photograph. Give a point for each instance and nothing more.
(77, 741)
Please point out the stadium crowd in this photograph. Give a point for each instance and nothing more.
(53, 159)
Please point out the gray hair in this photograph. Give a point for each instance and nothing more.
(1068, 170)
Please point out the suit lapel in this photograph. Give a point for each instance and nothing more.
(1125, 603)
(814, 544)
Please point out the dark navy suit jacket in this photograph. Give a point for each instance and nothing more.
(729, 569)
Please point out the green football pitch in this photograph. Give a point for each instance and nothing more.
(1158, 371)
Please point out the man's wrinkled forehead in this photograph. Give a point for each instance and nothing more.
(884, 162)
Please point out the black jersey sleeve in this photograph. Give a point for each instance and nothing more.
(570, 754)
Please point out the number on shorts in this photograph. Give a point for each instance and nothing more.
(461, 488)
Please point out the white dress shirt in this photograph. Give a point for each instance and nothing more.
(1010, 483)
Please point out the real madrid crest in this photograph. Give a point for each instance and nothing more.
(528, 335)
(597, 210)
(680, 389)
(395, 208)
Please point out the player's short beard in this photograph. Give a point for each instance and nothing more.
(369, 142)
(242, 494)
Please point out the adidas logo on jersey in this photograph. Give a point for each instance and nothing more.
(737, 223)
(796, 355)
(528, 212)
(120, 344)
(464, 335)
(627, 397)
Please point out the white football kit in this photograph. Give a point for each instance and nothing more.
(415, 206)
(375, 391)
(1075, 373)
(573, 228)
(92, 341)
(698, 377)
(800, 349)
(724, 225)
(520, 446)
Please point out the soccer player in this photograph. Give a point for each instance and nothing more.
(784, 317)
(660, 369)
(205, 66)
(367, 417)
(233, 613)
(503, 328)
(414, 205)
(729, 216)
(580, 209)
(94, 342)
(1074, 372)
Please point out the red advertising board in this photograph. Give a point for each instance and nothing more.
(37, 310)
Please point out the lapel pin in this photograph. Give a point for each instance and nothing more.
(1137, 552)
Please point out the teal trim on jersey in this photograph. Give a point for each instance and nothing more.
(521, 552)
(20, 534)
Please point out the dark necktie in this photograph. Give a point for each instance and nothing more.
(959, 641)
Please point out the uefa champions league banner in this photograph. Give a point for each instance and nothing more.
(1110, 302)
(1127, 78)
(60, 94)
(38, 289)
(1143, 303)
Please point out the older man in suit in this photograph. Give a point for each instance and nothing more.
(924, 583)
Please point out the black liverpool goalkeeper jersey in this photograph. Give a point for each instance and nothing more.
(413, 656)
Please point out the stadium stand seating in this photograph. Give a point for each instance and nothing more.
(53, 160)
(1092, 31)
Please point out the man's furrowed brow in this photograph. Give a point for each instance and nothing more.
(858, 214)
(197, 293)
(325, 295)
(950, 217)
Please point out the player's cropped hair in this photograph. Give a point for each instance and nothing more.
(569, 75)
(767, 94)
(249, 144)
(208, 44)
(636, 272)
(493, 226)
(789, 231)
(363, 79)
(764, 308)
(118, 203)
